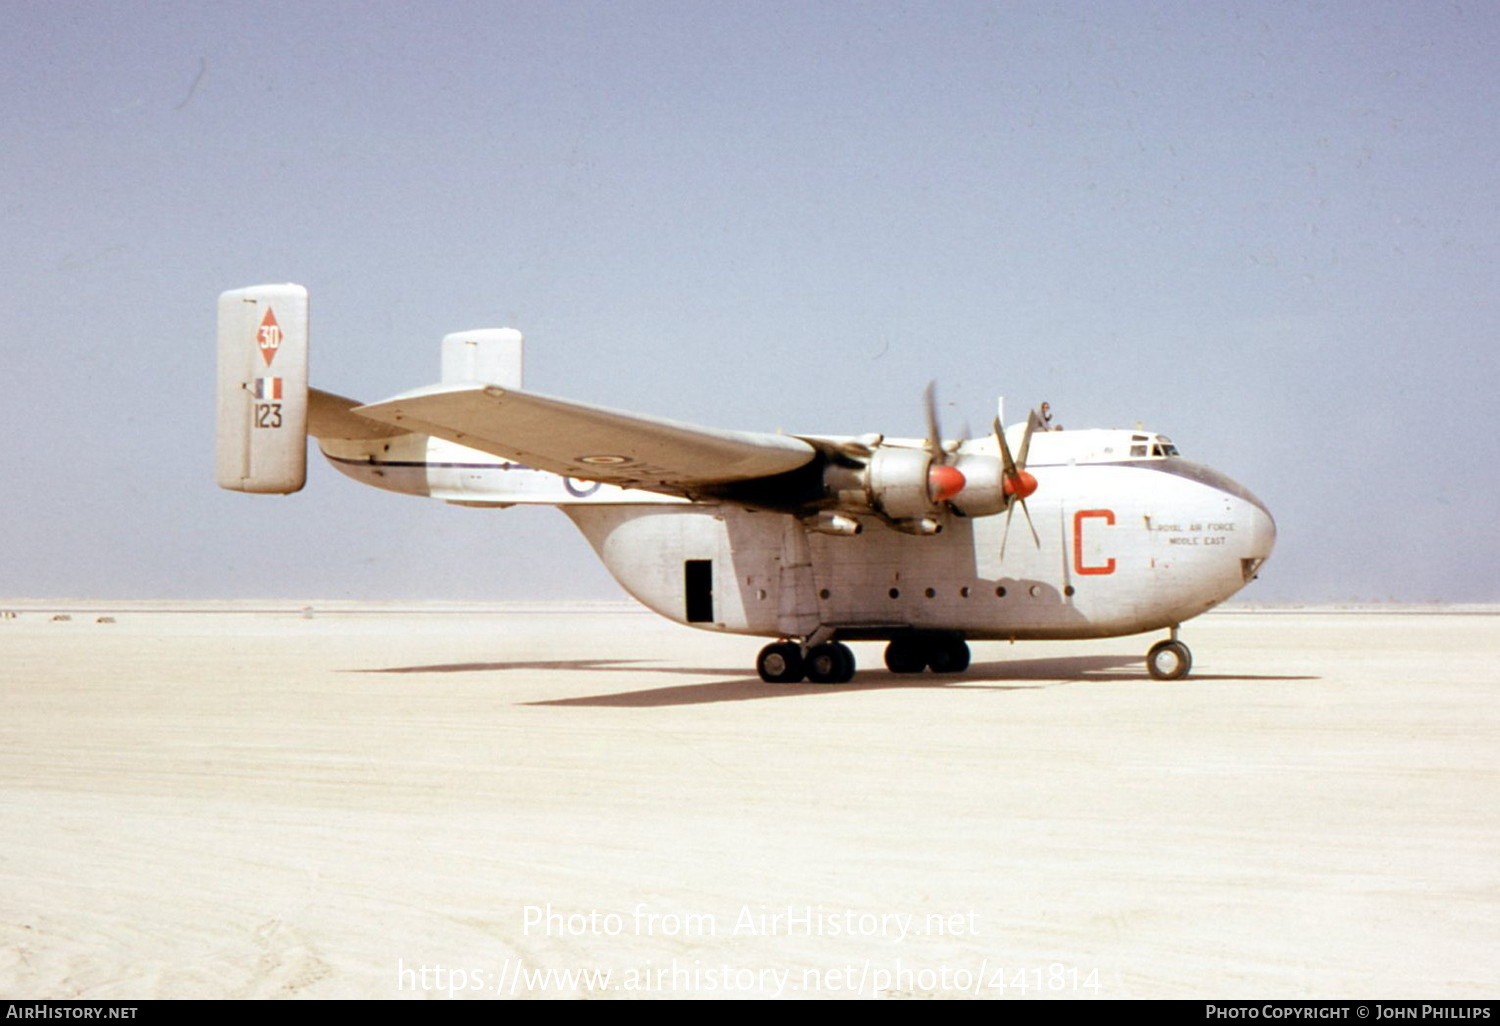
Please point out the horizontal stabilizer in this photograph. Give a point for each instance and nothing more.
(331, 416)
(589, 442)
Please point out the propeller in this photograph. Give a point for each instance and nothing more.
(902, 483)
(944, 480)
(1018, 482)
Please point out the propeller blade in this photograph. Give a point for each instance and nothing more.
(934, 434)
(944, 481)
(1018, 483)
(1005, 457)
(1032, 422)
(1031, 524)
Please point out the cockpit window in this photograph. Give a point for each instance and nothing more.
(1151, 447)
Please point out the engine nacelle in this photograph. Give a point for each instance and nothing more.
(984, 491)
(889, 482)
(897, 483)
(904, 486)
(909, 489)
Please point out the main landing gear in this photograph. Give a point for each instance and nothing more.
(940, 653)
(786, 662)
(1170, 659)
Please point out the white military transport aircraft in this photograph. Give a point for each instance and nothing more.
(810, 540)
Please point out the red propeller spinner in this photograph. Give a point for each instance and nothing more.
(945, 481)
(1020, 485)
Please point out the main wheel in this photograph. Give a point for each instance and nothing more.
(1169, 660)
(830, 663)
(906, 655)
(948, 655)
(780, 663)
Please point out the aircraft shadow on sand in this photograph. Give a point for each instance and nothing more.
(1004, 675)
(539, 664)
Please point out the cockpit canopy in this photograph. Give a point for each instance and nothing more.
(1142, 446)
(1090, 445)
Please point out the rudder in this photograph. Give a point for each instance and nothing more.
(262, 389)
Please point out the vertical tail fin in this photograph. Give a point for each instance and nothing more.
(262, 389)
(490, 356)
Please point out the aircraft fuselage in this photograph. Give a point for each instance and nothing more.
(1124, 544)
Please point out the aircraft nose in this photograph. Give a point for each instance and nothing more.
(1265, 530)
(1260, 537)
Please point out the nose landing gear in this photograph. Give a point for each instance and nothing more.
(1170, 659)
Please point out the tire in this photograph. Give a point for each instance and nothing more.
(831, 663)
(948, 655)
(780, 663)
(1169, 660)
(905, 655)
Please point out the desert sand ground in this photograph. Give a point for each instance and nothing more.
(395, 803)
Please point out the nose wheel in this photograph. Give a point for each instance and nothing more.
(1169, 660)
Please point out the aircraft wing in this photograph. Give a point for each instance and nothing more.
(590, 442)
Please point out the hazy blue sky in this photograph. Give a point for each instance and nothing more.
(1267, 229)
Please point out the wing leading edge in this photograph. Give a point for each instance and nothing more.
(590, 442)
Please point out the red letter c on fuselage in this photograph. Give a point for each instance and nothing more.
(1108, 516)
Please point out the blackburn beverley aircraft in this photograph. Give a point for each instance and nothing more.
(812, 541)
